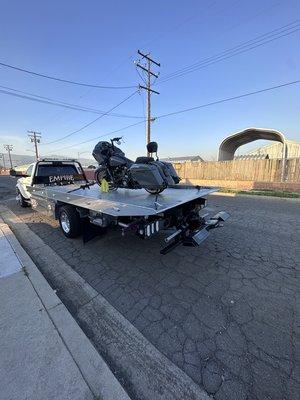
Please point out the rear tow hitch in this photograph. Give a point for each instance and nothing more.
(193, 238)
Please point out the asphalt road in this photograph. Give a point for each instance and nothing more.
(227, 313)
(7, 187)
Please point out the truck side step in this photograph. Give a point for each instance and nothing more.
(197, 238)
(221, 216)
(214, 222)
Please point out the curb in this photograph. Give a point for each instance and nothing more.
(254, 196)
(223, 194)
(95, 372)
(143, 370)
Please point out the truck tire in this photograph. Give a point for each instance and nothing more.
(69, 221)
(21, 200)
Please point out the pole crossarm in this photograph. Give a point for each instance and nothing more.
(146, 88)
(146, 70)
(148, 58)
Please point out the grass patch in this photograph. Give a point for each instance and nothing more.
(266, 192)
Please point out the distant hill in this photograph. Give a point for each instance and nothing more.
(20, 159)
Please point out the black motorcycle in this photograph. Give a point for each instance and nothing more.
(146, 172)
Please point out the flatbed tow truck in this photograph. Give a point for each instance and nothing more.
(61, 189)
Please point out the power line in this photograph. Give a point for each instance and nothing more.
(212, 4)
(236, 50)
(98, 137)
(90, 89)
(146, 43)
(187, 110)
(229, 99)
(174, 28)
(219, 59)
(47, 100)
(93, 121)
(250, 42)
(63, 80)
(230, 56)
(263, 36)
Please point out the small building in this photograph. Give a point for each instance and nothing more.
(274, 150)
(183, 159)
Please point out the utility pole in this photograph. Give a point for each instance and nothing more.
(9, 148)
(147, 68)
(3, 159)
(35, 137)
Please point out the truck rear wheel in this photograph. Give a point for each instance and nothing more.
(69, 221)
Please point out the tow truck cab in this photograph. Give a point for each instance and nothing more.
(48, 172)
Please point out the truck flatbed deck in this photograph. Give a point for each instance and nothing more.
(121, 202)
(60, 189)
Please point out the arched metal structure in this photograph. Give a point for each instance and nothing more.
(233, 142)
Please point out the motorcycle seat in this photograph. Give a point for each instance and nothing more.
(144, 160)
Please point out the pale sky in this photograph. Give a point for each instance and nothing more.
(96, 42)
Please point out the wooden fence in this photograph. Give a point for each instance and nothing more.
(241, 170)
(243, 174)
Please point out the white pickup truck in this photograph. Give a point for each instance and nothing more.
(60, 188)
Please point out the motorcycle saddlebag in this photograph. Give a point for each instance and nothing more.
(164, 171)
(147, 176)
(172, 171)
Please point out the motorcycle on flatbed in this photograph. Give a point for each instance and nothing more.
(145, 172)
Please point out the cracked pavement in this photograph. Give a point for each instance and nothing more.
(227, 313)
